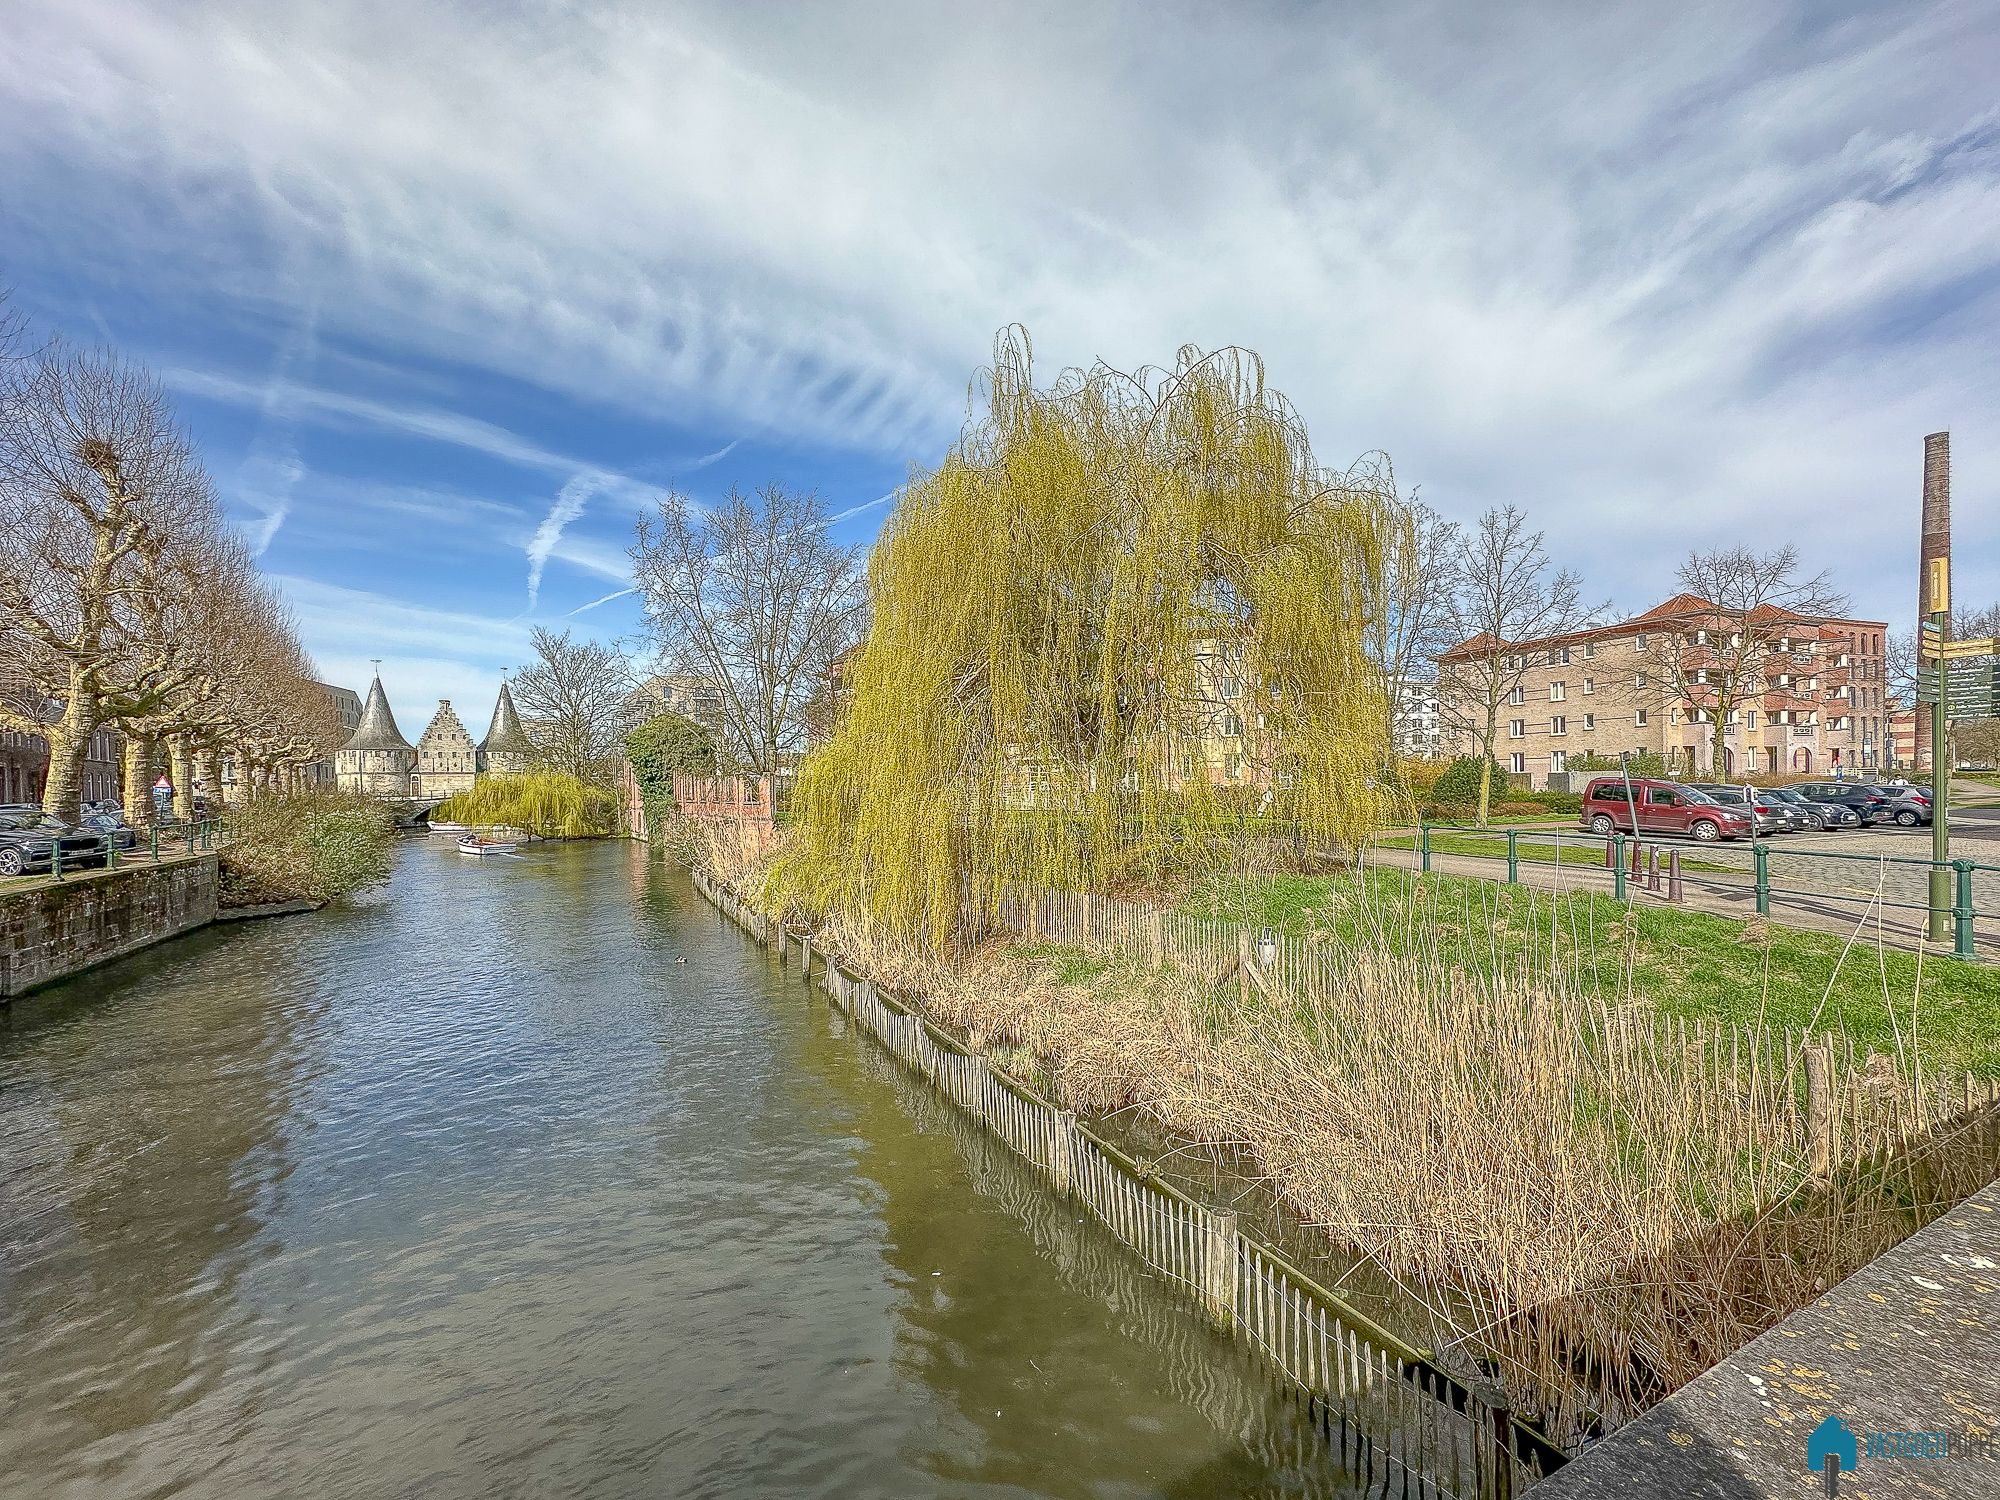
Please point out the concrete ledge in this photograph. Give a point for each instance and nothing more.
(1909, 1343)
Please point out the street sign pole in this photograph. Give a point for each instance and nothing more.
(1940, 882)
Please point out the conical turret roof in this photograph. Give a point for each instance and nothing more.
(377, 729)
(505, 736)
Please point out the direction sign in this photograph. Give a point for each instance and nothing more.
(1975, 689)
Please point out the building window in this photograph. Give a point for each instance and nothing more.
(1231, 688)
(1639, 642)
(1558, 691)
(1558, 760)
(1639, 681)
(1232, 725)
(1589, 649)
(1589, 685)
(1518, 763)
(1517, 729)
(1559, 725)
(1589, 722)
(1516, 695)
(1639, 718)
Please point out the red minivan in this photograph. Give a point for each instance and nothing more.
(1662, 807)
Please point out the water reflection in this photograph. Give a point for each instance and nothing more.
(479, 1190)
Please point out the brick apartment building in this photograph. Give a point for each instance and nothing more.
(1816, 696)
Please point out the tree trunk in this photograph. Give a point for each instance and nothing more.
(180, 760)
(69, 747)
(137, 792)
(208, 770)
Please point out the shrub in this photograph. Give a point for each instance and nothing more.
(548, 804)
(312, 846)
(1459, 785)
(665, 746)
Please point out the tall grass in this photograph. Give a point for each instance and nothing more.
(1593, 1203)
(548, 804)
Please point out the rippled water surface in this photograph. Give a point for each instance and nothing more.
(480, 1189)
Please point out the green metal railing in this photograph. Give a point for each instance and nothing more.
(197, 835)
(1656, 866)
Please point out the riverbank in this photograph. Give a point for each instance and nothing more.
(52, 929)
(1596, 1200)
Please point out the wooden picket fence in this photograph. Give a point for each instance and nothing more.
(1401, 1423)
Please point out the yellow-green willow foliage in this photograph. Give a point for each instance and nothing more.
(1055, 611)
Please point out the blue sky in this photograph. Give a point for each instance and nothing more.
(446, 294)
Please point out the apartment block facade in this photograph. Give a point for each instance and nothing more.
(1810, 694)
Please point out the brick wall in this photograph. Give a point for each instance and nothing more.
(48, 932)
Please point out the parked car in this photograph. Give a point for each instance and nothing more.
(28, 842)
(1819, 815)
(117, 833)
(1864, 801)
(1662, 807)
(1768, 820)
(1908, 806)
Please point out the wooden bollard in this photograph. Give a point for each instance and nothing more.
(1819, 1108)
(1218, 1281)
(1674, 891)
(1062, 1151)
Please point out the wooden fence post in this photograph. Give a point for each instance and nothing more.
(1062, 1151)
(1243, 966)
(1819, 1108)
(1218, 1290)
(1156, 939)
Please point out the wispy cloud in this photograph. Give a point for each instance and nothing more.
(856, 510)
(716, 457)
(1727, 263)
(570, 501)
(615, 594)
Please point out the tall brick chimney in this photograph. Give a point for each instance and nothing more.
(1936, 543)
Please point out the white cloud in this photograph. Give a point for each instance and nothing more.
(1664, 277)
(569, 504)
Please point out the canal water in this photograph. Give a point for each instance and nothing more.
(533, 1177)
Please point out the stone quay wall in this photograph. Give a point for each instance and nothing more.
(51, 930)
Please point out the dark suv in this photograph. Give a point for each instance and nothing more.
(1866, 802)
(28, 842)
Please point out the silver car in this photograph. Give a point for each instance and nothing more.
(1768, 820)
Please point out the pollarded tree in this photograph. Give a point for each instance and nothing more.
(94, 473)
(1059, 612)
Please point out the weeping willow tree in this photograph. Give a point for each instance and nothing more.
(1125, 617)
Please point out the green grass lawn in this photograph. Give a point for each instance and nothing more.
(1682, 962)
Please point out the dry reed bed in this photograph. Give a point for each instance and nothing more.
(1595, 1205)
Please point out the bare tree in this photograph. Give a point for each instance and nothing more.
(1719, 655)
(1415, 625)
(1503, 596)
(753, 599)
(579, 699)
(95, 480)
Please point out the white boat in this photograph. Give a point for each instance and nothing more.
(450, 827)
(473, 844)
